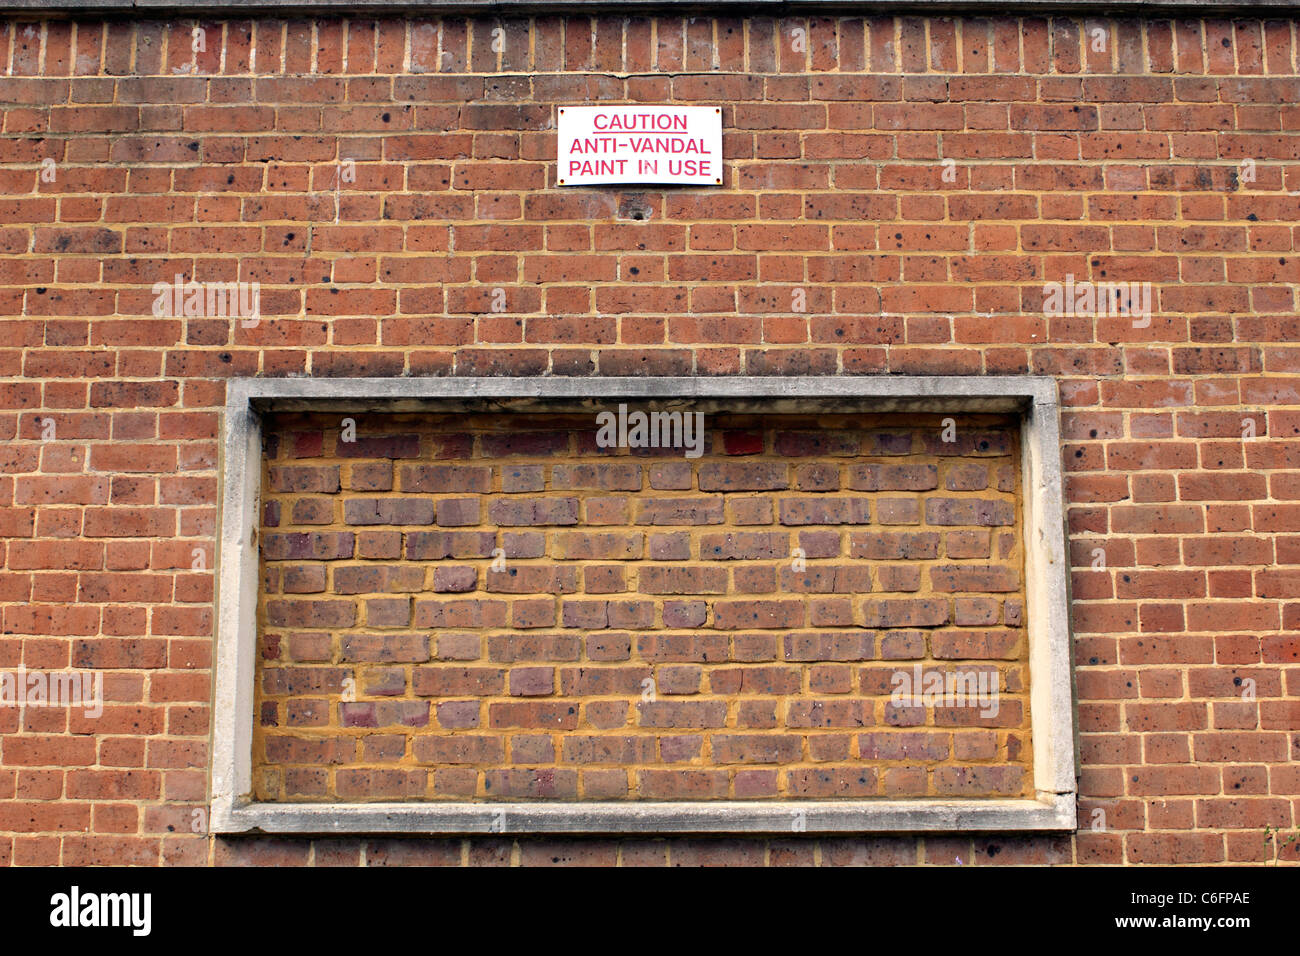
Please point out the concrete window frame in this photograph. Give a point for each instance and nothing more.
(1052, 710)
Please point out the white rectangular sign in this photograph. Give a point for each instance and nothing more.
(639, 144)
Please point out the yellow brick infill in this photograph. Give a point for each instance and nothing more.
(495, 606)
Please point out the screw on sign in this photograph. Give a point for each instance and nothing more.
(680, 145)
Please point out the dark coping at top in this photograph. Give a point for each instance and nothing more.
(157, 8)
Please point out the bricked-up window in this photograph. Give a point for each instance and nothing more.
(476, 617)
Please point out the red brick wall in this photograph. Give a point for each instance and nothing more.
(1122, 163)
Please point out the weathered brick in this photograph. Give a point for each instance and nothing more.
(919, 612)
(459, 749)
(825, 511)
(683, 713)
(401, 511)
(732, 615)
(995, 578)
(744, 546)
(894, 546)
(880, 477)
(677, 511)
(682, 580)
(435, 545)
(372, 578)
(446, 479)
(603, 547)
(682, 647)
(386, 647)
(823, 782)
(533, 511)
(969, 511)
(743, 476)
(607, 477)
